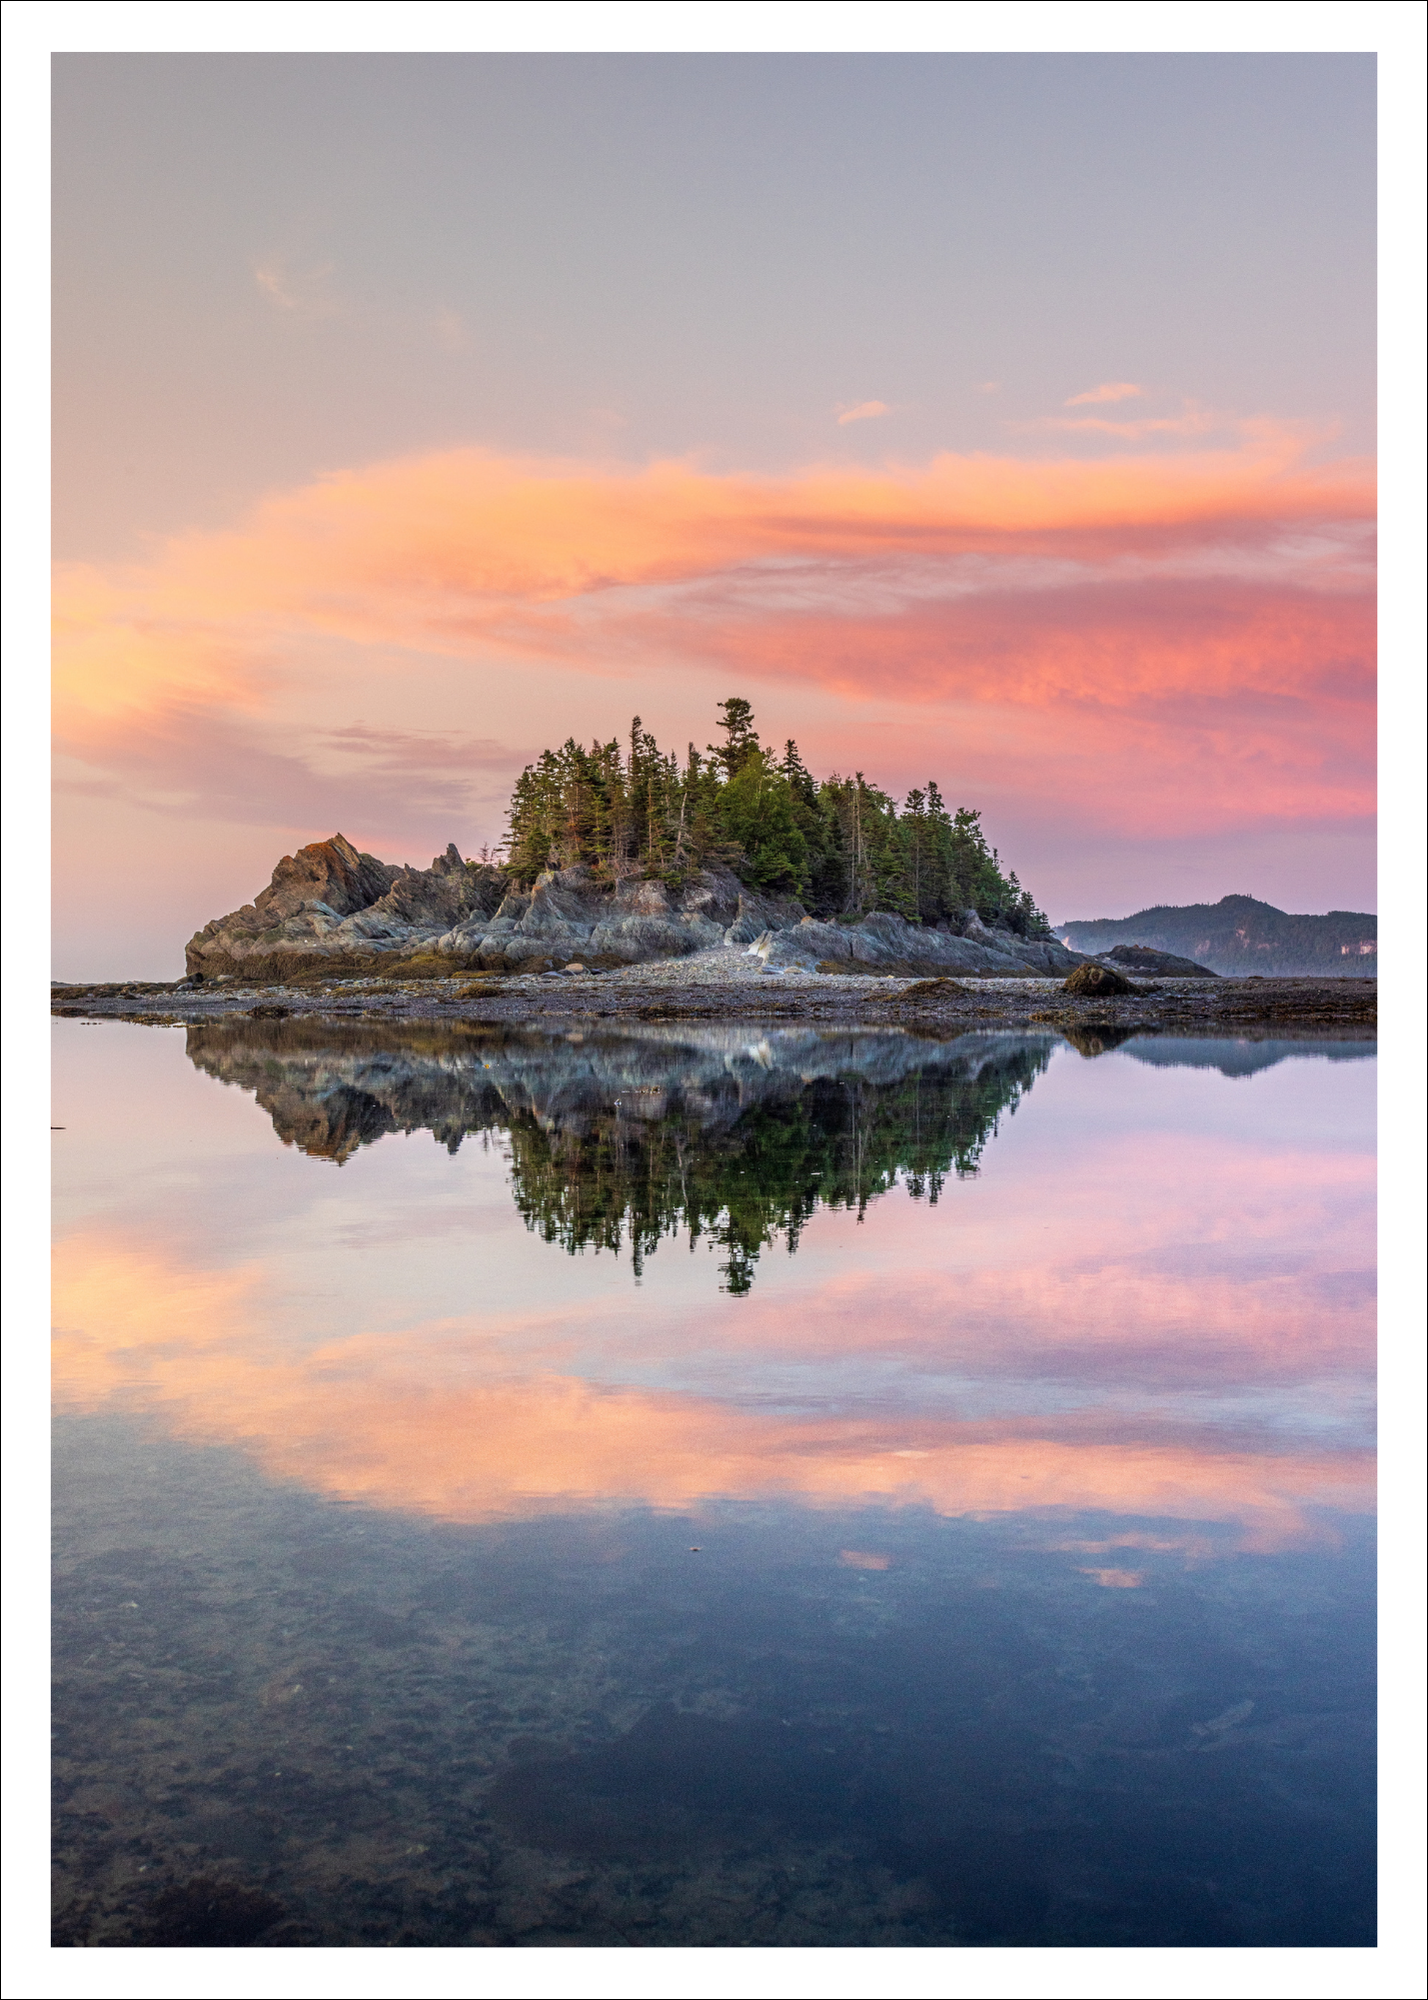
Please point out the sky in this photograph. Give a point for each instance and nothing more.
(1002, 419)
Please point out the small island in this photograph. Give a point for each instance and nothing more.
(726, 881)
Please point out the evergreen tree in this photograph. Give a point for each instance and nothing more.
(740, 739)
(841, 846)
(757, 812)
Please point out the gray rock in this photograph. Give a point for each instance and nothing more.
(884, 943)
(757, 914)
(330, 908)
(1141, 958)
(328, 902)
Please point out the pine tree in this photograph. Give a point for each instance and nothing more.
(841, 845)
(741, 741)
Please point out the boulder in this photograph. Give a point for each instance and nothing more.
(1098, 982)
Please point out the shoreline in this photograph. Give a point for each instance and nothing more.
(729, 985)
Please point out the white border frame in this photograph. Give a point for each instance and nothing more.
(34, 29)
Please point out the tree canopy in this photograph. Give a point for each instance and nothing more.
(841, 845)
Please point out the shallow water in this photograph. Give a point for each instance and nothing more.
(703, 1486)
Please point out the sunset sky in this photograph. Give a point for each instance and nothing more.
(1005, 419)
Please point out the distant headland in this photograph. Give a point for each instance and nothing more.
(1239, 936)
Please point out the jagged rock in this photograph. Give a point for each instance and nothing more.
(329, 908)
(328, 904)
(1098, 982)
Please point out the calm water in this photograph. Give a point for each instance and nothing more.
(704, 1487)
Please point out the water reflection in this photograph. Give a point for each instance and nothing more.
(624, 1140)
(958, 1535)
(1171, 1318)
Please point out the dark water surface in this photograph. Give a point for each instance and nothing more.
(703, 1486)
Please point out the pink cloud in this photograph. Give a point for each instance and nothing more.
(1106, 392)
(1159, 641)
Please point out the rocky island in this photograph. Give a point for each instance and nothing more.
(726, 885)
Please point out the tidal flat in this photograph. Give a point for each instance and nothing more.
(668, 1480)
(731, 983)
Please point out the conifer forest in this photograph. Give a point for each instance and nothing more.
(840, 844)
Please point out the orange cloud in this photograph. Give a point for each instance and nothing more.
(854, 413)
(1199, 618)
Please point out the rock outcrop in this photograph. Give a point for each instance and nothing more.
(328, 907)
(1162, 964)
(328, 904)
(889, 944)
(331, 909)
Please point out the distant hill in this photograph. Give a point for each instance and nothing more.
(1238, 935)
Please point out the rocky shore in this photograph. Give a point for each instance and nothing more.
(728, 984)
(338, 933)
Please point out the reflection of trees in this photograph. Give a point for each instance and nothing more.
(622, 1139)
(834, 1142)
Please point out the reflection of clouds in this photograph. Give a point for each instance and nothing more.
(431, 1423)
(1223, 1269)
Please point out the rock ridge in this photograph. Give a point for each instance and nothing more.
(331, 909)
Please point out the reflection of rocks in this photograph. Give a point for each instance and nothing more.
(718, 1131)
(1243, 1055)
(1093, 1042)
